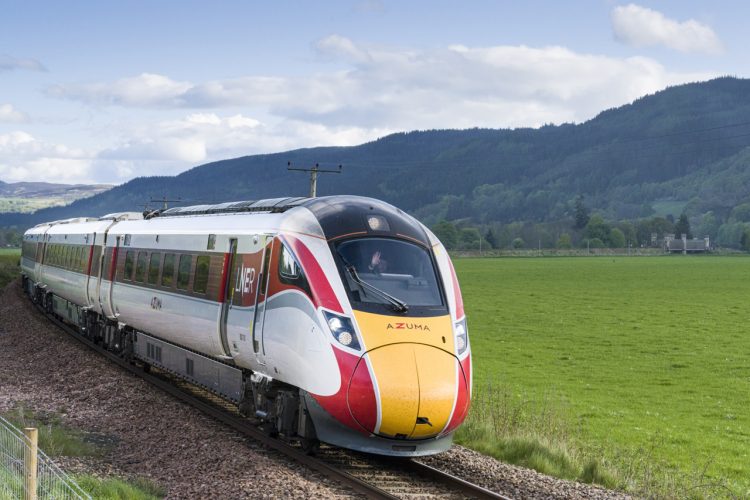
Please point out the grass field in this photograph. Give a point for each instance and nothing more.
(9, 270)
(642, 363)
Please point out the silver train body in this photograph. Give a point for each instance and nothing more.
(336, 319)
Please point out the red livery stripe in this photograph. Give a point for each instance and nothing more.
(361, 397)
(463, 399)
(323, 294)
(337, 405)
(113, 264)
(91, 255)
(224, 274)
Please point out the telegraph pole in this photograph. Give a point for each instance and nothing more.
(164, 202)
(314, 175)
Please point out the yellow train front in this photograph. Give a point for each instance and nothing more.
(401, 340)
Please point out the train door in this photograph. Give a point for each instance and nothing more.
(111, 311)
(226, 293)
(260, 300)
(90, 297)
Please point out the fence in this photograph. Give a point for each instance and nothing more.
(21, 479)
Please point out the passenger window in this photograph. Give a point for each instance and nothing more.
(153, 268)
(140, 267)
(201, 274)
(183, 273)
(129, 258)
(167, 272)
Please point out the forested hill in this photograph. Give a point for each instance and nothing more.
(685, 145)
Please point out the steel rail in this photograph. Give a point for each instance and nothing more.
(456, 482)
(247, 428)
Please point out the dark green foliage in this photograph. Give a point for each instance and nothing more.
(683, 227)
(597, 229)
(564, 241)
(447, 234)
(741, 213)
(582, 213)
(616, 238)
(595, 243)
(518, 243)
(745, 240)
(489, 236)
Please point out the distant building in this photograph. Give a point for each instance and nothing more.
(684, 245)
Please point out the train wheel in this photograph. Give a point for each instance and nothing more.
(310, 446)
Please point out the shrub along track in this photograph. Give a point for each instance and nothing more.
(337, 472)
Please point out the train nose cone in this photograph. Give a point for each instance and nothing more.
(416, 386)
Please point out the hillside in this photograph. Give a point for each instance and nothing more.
(27, 197)
(684, 146)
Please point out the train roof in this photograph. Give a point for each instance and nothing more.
(337, 216)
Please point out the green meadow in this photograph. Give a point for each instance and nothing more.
(630, 372)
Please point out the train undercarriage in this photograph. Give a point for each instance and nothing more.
(281, 409)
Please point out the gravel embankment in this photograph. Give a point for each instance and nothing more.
(152, 435)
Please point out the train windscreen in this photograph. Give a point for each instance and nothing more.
(388, 272)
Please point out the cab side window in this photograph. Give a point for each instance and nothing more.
(290, 271)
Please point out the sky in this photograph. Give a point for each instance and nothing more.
(105, 91)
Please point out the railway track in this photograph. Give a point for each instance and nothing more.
(369, 476)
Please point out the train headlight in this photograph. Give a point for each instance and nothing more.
(462, 337)
(342, 330)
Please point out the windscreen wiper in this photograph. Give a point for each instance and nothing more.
(398, 305)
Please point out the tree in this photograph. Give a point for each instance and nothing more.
(470, 238)
(564, 241)
(616, 238)
(741, 213)
(682, 226)
(595, 243)
(597, 229)
(447, 234)
(518, 243)
(490, 238)
(582, 213)
(745, 240)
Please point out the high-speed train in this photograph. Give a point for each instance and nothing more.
(336, 319)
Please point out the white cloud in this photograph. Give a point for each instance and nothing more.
(9, 63)
(8, 114)
(454, 87)
(144, 90)
(642, 27)
(171, 146)
(24, 158)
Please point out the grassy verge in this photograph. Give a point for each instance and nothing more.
(543, 434)
(9, 265)
(534, 433)
(57, 440)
